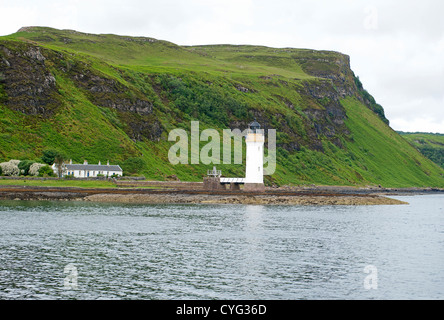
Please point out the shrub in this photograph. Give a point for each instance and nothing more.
(24, 166)
(34, 169)
(46, 171)
(10, 168)
(14, 162)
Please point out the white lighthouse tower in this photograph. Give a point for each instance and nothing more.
(254, 169)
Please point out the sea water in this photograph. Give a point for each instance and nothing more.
(81, 250)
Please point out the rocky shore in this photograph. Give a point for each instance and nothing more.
(150, 196)
(243, 199)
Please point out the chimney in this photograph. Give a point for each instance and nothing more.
(70, 161)
(107, 162)
(85, 162)
(99, 163)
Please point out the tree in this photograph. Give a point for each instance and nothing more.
(49, 156)
(56, 157)
(59, 161)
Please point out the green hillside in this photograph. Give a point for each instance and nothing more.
(430, 145)
(109, 97)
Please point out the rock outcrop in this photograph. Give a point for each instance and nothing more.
(28, 82)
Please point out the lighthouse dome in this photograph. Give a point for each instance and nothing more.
(254, 126)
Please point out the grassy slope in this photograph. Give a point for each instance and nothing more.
(429, 144)
(375, 143)
(375, 155)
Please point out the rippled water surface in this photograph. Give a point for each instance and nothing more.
(78, 250)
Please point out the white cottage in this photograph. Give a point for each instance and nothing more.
(86, 170)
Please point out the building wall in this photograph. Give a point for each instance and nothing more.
(91, 173)
(86, 173)
(254, 168)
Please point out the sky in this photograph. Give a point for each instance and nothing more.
(395, 47)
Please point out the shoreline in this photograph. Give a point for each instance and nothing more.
(272, 196)
(243, 199)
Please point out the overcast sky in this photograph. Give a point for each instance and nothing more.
(396, 47)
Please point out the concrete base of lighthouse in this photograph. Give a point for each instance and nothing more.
(213, 183)
(256, 187)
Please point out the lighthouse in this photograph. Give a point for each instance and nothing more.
(254, 168)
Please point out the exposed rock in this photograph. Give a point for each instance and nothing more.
(34, 53)
(27, 82)
(256, 200)
(30, 87)
(106, 92)
(333, 66)
(244, 89)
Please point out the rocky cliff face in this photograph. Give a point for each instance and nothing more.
(28, 86)
(336, 67)
(28, 77)
(28, 81)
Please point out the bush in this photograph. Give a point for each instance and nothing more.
(10, 168)
(46, 171)
(24, 166)
(34, 169)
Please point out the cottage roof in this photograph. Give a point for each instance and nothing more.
(93, 167)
